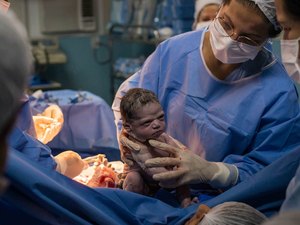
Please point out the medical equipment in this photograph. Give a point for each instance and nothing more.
(81, 132)
(68, 16)
(47, 51)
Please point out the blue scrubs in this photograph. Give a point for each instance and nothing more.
(248, 120)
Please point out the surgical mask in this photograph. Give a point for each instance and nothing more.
(4, 5)
(202, 24)
(289, 56)
(228, 50)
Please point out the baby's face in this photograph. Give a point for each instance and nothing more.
(149, 122)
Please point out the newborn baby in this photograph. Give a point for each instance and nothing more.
(143, 119)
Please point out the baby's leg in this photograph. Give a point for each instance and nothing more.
(134, 183)
(184, 196)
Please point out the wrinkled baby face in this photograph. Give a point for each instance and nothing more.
(149, 122)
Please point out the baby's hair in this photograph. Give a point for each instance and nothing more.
(133, 100)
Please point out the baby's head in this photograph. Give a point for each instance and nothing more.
(142, 114)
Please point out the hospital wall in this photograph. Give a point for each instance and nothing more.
(88, 67)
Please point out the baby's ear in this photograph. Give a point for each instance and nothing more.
(127, 127)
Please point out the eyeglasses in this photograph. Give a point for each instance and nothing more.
(230, 32)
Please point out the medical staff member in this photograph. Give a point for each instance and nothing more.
(22, 135)
(15, 68)
(289, 17)
(288, 14)
(225, 97)
(205, 12)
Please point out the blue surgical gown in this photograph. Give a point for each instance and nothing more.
(38, 195)
(249, 120)
(22, 142)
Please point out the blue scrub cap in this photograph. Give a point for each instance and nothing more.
(233, 213)
(268, 8)
(15, 65)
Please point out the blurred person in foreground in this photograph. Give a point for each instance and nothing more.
(288, 15)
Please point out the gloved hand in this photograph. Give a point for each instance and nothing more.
(54, 112)
(69, 163)
(48, 124)
(189, 168)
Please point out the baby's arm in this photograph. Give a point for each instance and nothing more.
(183, 196)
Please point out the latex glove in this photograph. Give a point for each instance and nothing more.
(46, 128)
(189, 168)
(69, 163)
(54, 112)
(48, 124)
(128, 146)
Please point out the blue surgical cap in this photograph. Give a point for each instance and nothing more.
(268, 8)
